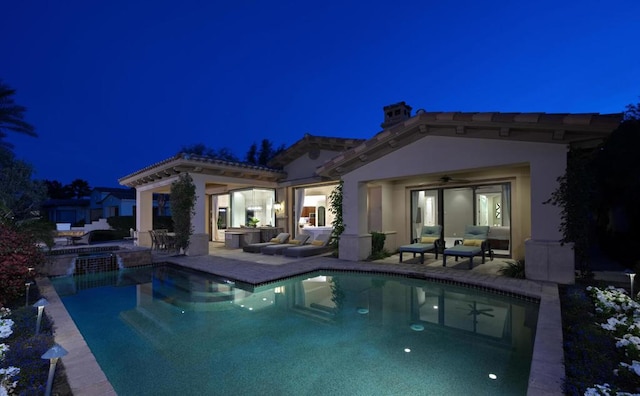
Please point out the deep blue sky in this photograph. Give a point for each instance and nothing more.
(114, 86)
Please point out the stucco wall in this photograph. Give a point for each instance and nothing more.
(536, 167)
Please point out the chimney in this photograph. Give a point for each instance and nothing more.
(395, 114)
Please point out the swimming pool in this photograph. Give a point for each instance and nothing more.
(168, 330)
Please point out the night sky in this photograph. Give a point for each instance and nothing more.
(114, 86)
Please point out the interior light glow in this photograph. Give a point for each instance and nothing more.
(250, 309)
(407, 350)
(182, 312)
(363, 311)
(417, 327)
(264, 299)
(435, 307)
(493, 376)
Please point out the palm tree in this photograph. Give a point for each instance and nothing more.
(12, 116)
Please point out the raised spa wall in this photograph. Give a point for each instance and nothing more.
(59, 263)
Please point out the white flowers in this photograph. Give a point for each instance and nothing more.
(7, 384)
(624, 323)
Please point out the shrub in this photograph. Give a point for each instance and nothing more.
(122, 223)
(17, 254)
(377, 246)
(108, 235)
(513, 269)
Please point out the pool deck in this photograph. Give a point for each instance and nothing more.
(547, 369)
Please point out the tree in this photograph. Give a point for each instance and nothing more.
(632, 112)
(183, 202)
(55, 190)
(252, 154)
(12, 117)
(224, 153)
(21, 198)
(79, 188)
(265, 154)
(598, 196)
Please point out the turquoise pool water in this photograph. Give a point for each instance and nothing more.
(169, 331)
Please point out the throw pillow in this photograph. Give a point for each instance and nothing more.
(428, 239)
(472, 242)
(317, 243)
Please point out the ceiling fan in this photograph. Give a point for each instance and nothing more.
(446, 179)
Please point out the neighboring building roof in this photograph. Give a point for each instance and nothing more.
(562, 128)
(65, 202)
(308, 144)
(120, 193)
(200, 164)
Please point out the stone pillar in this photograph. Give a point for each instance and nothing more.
(549, 261)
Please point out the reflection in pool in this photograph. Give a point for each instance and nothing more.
(167, 330)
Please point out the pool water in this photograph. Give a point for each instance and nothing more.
(167, 331)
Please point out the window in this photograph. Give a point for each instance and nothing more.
(247, 205)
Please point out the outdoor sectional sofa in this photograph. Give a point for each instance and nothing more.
(319, 245)
(257, 247)
(278, 248)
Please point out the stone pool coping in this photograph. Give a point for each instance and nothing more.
(547, 368)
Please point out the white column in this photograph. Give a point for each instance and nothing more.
(199, 242)
(144, 216)
(355, 241)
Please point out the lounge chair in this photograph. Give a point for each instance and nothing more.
(318, 246)
(81, 240)
(474, 243)
(429, 241)
(256, 247)
(280, 247)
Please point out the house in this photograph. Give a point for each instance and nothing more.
(109, 201)
(289, 195)
(71, 211)
(449, 168)
(459, 169)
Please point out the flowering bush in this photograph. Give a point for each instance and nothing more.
(7, 374)
(621, 317)
(17, 254)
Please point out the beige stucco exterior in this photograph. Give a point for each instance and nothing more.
(527, 151)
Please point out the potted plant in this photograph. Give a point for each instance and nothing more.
(253, 222)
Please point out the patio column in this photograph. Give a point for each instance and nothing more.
(144, 216)
(199, 242)
(545, 258)
(355, 241)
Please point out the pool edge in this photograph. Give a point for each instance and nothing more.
(84, 374)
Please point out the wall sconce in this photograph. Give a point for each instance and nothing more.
(279, 207)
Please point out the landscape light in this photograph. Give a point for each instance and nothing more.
(40, 304)
(631, 276)
(53, 354)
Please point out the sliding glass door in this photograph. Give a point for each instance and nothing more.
(457, 207)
